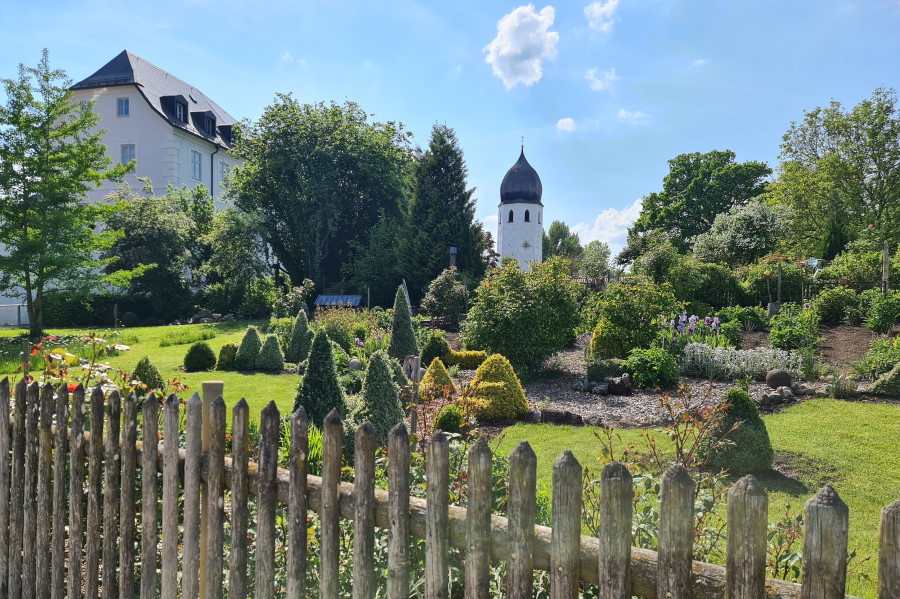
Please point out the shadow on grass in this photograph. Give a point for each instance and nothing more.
(796, 475)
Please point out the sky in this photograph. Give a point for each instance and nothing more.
(604, 92)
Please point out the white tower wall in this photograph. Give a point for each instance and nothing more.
(521, 239)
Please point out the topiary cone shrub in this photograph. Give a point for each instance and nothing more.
(199, 357)
(449, 420)
(435, 346)
(270, 358)
(248, 352)
(437, 378)
(750, 449)
(319, 392)
(149, 375)
(403, 337)
(380, 399)
(226, 356)
(498, 394)
(301, 338)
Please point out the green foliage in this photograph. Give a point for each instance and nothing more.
(836, 305)
(599, 370)
(757, 286)
(881, 357)
(750, 319)
(794, 327)
(300, 340)
(630, 317)
(744, 234)
(729, 364)
(883, 312)
(130, 319)
(888, 383)
(434, 345)
(237, 259)
(51, 154)
(403, 338)
(185, 336)
(653, 367)
(467, 360)
(527, 317)
(449, 420)
(438, 378)
(248, 352)
(270, 358)
(561, 241)
(293, 301)
(341, 324)
(199, 357)
(594, 261)
(227, 355)
(380, 402)
(750, 449)
(148, 374)
(498, 394)
(317, 176)
(711, 284)
(319, 391)
(446, 296)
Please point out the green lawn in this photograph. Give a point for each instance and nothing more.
(258, 388)
(853, 446)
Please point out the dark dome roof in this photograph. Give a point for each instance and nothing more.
(521, 185)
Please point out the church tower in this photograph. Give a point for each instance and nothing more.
(521, 214)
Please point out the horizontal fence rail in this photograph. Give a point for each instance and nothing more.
(68, 519)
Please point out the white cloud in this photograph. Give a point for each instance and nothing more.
(601, 15)
(700, 62)
(567, 124)
(610, 226)
(523, 42)
(598, 84)
(637, 117)
(286, 57)
(289, 58)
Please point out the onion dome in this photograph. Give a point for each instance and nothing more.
(521, 185)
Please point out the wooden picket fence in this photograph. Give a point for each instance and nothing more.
(50, 528)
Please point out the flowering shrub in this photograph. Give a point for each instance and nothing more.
(679, 331)
(728, 364)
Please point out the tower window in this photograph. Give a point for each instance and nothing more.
(121, 106)
(527, 219)
(510, 217)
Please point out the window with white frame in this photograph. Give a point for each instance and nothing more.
(196, 165)
(223, 172)
(121, 106)
(179, 112)
(127, 153)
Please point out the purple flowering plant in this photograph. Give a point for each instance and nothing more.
(676, 333)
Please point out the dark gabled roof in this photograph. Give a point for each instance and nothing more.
(156, 84)
(521, 185)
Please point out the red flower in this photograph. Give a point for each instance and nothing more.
(72, 387)
(52, 337)
(34, 351)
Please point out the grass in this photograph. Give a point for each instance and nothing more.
(185, 336)
(852, 446)
(258, 388)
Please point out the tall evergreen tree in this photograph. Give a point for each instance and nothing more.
(403, 337)
(441, 216)
(320, 391)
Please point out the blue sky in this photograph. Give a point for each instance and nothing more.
(604, 92)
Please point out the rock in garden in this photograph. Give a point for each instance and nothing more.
(228, 318)
(620, 385)
(216, 317)
(600, 389)
(786, 393)
(531, 417)
(554, 416)
(774, 398)
(594, 421)
(578, 386)
(778, 378)
(354, 364)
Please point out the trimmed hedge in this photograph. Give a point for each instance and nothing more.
(226, 356)
(750, 449)
(466, 360)
(248, 352)
(199, 357)
(147, 373)
(449, 420)
(403, 337)
(437, 377)
(435, 346)
(300, 340)
(380, 400)
(319, 391)
(498, 393)
(270, 358)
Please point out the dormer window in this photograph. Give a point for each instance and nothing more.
(180, 112)
(210, 126)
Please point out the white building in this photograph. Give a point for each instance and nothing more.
(173, 131)
(520, 234)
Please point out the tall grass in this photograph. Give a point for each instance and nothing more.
(185, 336)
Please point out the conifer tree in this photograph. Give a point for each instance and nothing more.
(320, 391)
(403, 337)
(380, 403)
(301, 337)
(248, 352)
(270, 358)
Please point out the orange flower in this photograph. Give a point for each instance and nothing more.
(72, 387)
(34, 351)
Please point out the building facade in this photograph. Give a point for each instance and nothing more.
(173, 131)
(520, 226)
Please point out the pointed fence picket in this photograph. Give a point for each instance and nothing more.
(64, 537)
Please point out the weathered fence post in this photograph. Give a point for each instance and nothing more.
(748, 518)
(129, 482)
(565, 544)
(270, 421)
(171, 486)
(676, 534)
(616, 495)
(216, 504)
(111, 485)
(60, 449)
(478, 525)
(437, 537)
(398, 513)
(330, 543)
(95, 487)
(889, 552)
(520, 533)
(827, 521)
(45, 469)
(240, 487)
(29, 533)
(76, 493)
(364, 517)
(149, 495)
(413, 365)
(296, 566)
(4, 485)
(211, 391)
(17, 490)
(190, 578)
